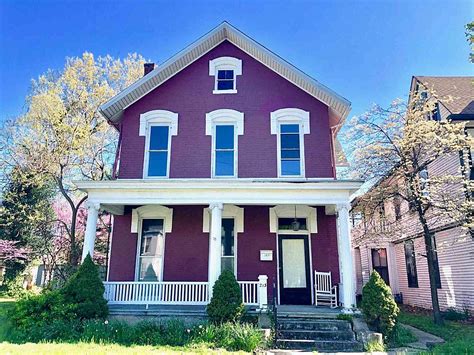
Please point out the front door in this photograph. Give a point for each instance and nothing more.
(295, 276)
(380, 263)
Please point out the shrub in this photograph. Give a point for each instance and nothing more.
(35, 311)
(85, 291)
(378, 305)
(226, 303)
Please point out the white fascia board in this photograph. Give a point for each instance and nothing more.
(139, 192)
(226, 31)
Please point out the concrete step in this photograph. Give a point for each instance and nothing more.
(319, 345)
(312, 324)
(317, 335)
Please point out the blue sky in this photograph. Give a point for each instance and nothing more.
(366, 51)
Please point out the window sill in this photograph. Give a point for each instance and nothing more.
(224, 91)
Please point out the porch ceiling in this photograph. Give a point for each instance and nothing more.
(206, 191)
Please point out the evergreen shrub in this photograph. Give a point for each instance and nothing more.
(226, 302)
(378, 306)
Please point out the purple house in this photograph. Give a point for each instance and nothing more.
(226, 161)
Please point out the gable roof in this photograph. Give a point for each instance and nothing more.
(339, 106)
(460, 88)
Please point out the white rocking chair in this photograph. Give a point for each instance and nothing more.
(323, 290)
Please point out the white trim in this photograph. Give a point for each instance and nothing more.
(288, 211)
(225, 63)
(224, 117)
(162, 117)
(229, 211)
(113, 109)
(207, 191)
(157, 118)
(290, 116)
(152, 212)
(138, 256)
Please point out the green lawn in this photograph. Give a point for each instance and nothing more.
(85, 348)
(459, 336)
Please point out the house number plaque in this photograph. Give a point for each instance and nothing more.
(266, 255)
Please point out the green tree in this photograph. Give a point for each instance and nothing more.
(393, 148)
(62, 136)
(378, 305)
(26, 216)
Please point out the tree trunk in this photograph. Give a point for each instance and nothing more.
(428, 238)
(74, 255)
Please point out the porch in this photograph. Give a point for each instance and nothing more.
(283, 231)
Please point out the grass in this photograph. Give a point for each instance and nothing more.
(91, 348)
(87, 348)
(401, 337)
(459, 336)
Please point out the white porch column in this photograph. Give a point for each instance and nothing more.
(215, 235)
(91, 228)
(345, 256)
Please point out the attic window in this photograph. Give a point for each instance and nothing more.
(225, 71)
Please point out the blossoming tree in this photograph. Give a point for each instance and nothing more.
(393, 148)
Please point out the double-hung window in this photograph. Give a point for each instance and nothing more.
(152, 243)
(225, 126)
(290, 125)
(225, 71)
(225, 80)
(158, 151)
(157, 126)
(290, 150)
(225, 150)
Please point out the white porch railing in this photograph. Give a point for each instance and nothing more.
(254, 293)
(165, 292)
(249, 291)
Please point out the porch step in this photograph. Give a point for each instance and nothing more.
(320, 345)
(312, 324)
(315, 333)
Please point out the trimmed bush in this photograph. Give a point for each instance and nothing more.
(378, 305)
(226, 303)
(85, 292)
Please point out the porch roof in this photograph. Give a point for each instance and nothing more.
(229, 191)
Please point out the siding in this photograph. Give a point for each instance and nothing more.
(456, 256)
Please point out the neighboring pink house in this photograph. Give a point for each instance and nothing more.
(226, 160)
(393, 246)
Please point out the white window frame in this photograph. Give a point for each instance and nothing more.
(235, 246)
(150, 212)
(224, 117)
(139, 245)
(232, 212)
(152, 119)
(225, 63)
(290, 116)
